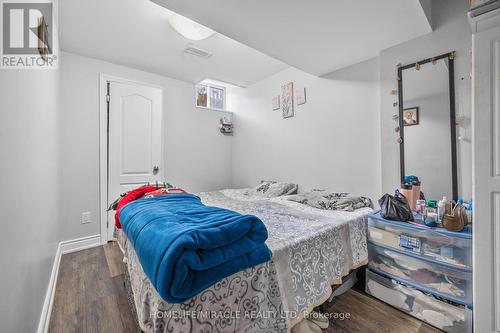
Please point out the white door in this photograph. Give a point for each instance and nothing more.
(134, 139)
(486, 180)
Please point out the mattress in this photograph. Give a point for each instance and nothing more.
(312, 250)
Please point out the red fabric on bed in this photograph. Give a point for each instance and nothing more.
(131, 196)
(138, 193)
(163, 191)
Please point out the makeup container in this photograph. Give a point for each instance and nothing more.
(420, 206)
(416, 190)
(407, 191)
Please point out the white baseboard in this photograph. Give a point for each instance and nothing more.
(43, 324)
(63, 248)
(79, 244)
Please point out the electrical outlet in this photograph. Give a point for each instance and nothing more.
(86, 217)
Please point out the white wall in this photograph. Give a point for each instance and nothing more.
(452, 33)
(332, 142)
(29, 199)
(197, 155)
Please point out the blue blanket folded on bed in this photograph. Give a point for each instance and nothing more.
(185, 247)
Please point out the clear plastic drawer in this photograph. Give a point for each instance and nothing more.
(454, 248)
(437, 312)
(429, 275)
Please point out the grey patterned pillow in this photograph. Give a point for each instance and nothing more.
(264, 185)
(271, 188)
(332, 200)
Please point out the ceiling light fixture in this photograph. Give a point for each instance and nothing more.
(189, 28)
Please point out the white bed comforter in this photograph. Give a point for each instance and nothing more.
(312, 249)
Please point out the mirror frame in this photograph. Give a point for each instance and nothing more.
(451, 74)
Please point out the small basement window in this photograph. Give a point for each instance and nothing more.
(210, 96)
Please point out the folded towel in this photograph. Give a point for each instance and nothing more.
(185, 247)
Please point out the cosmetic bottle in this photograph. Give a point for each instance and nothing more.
(468, 211)
(416, 191)
(441, 209)
(407, 191)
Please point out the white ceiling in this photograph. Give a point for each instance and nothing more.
(317, 36)
(136, 33)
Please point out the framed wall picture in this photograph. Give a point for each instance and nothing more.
(300, 95)
(276, 102)
(410, 116)
(287, 100)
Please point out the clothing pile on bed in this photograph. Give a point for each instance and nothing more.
(146, 191)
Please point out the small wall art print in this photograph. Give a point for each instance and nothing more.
(202, 95)
(301, 96)
(287, 100)
(276, 102)
(410, 116)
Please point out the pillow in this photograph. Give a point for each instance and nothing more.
(271, 188)
(264, 185)
(331, 200)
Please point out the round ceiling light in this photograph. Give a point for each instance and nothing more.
(189, 28)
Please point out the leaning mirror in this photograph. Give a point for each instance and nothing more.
(427, 125)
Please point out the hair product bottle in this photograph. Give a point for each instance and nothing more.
(441, 209)
(407, 191)
(416, 192)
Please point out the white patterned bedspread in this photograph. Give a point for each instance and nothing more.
(312, 249)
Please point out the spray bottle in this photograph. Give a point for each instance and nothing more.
(441, 209)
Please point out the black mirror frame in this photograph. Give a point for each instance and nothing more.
(451, 74)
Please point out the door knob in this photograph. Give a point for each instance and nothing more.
(156, 169)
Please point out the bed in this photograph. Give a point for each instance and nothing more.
(312, 250)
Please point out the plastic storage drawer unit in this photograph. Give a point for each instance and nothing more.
(454, 248)
(426, 274)
(445, 316)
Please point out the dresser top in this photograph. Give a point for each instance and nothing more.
(417, 225)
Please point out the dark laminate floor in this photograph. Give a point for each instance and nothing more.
(90, 297)
(369, 315)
